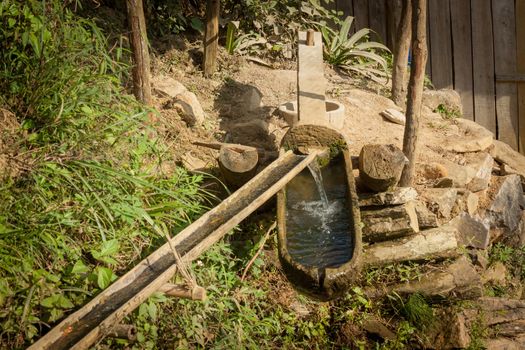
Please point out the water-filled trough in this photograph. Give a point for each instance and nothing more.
(320, 234)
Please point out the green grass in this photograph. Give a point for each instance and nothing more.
(73, 221)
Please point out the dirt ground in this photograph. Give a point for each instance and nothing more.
(229, 119)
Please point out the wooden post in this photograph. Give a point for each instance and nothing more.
(211, 37)
(415, 88)
(402, 45)
(139, 47)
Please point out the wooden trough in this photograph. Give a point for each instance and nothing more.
(325, 282)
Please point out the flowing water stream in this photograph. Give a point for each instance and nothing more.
(318, 217)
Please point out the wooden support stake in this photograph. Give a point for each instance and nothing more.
(182, 291)
(403, 36)
(123, 331)
(139, 47)
(310, 37)
(211, 37)
(415, 88)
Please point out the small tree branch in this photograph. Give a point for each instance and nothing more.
(415, 89)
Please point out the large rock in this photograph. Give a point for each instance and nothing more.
(425, 218)
(473, 138)
(450, 99)
(183, 100)
(466, 202)
(507, 203)
(472, 231)
(504, 154)
(400, 195)
(165, 86)
(440, 200)
(483, 172)
(460, 175)
(496, 273)
(251, 99)
(189, 107)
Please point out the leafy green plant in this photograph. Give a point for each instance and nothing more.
(446, 112)
(415, 310)
(242, 43)
(73, 220)
(354, 52)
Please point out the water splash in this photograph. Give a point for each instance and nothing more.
(318, 178)
(318, 231)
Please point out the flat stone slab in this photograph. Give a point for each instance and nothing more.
(394, 116)
(473, 138)
(399, 195)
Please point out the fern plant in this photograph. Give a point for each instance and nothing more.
(354, 52)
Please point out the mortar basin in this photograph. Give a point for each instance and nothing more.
(335, 113)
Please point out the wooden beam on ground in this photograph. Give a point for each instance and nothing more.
(139, 48)
(95, 320)
(211, 37)
(311, 84)
(503, 14)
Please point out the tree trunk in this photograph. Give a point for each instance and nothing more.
(415, 88)
(401, 48)
(139, 47)
(394, 12)
(238, 164)
(211, 37)
(380, 167)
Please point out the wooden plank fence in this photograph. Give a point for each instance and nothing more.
(476, 47)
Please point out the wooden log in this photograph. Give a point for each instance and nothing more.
(123, 331)
(211, 37)
(402, 46)
(380, 166)
(139, 48)
(93, 321)
(438, 243)
(182, 291)
(389, 223)
(415, 88)
(238, 164)
(400, 195)
(460, 280)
